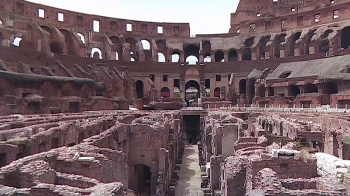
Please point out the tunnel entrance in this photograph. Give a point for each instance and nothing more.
(143, 176)
(191, 125)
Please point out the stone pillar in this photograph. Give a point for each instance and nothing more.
(311, 49)
(296, 51)
(282, 53)
(229, 137)
(215, 172)
(226, 56)
(154, 182)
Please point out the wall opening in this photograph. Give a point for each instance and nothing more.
(56, 48)
(192, 60)
(217, 92)
(165, 92)
(219, 56)
(96, 25)
(207, 57)
(330, 88)
(74, 107)
(310, 88)
(143, 176)
(17, 41)
(160, 30)
(41, 13)
(192, 50)
(82, 38)
(139, 89)
(277, 46)
(243, 87)
(145, 44)
(293, 90)
(128, 27)
(60, 17)
(3, 159)
(233, 55)
(192, 89)
(270, 91)
(345, 38)
(247, 54)
(96, 53)
(175, 57)
(192, 128)
(161, 57)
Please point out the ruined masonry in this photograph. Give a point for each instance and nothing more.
(93, 105)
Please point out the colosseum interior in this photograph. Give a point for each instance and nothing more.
(87, 106)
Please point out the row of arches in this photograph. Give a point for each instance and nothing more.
(192, 89)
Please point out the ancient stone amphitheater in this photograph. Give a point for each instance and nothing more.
(92, 105)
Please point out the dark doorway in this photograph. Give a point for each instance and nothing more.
(191, 124)
(192, 93)
(243, 87)
(55, 47)
(345, 39)
(34, 107)
(3, 159)
(293, 90)
(139, 89)
(74, 107)
(335, 146)
(143, 176)
(54, 142)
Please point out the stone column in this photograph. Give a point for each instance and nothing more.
(215, 172)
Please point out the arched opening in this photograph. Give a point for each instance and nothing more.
(143, 176)
(263, 42)
(96, 53)
(116, 56)
(277, 46)
(0, 22)
(146, 45)
(192, 60)
(247, 54)
(17, 41)
(192, 89)
(165, 92)
(217, 92)
(82, 38)
(324, 45)
(307, 41)
(296, 37)
(161, 57)
(330, 88)
(56, 48)
(139, 89)
(47, 29)
(345, 38)
(191, 50)
(310, 88)
(249, 42)
(219, 56)
(293, 90)
(243, 87)
(233, 55)
(175, 56)
(69, 90)
(207, 57)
